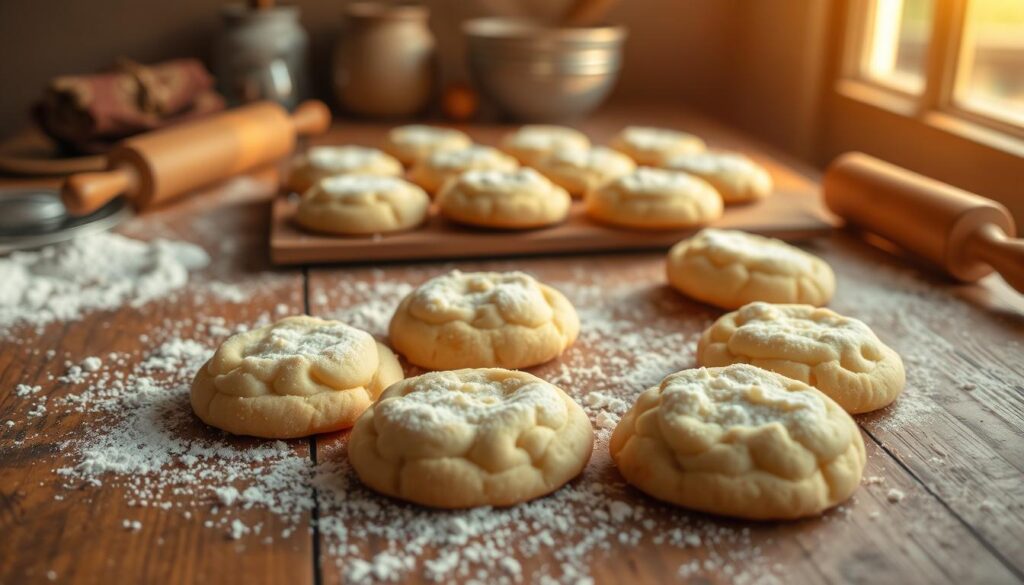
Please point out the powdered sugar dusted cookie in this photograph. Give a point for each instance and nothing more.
(468, 438)
(321, 162)
(483, 319)
(415, 142)
(740, 441)
(362, 204)
(532, 142)
(434, 171)
(838, 355)
(581, 170)
(729, 269)
(652, 147)
(519, 199)
(298, 377)
(737, 178)
(654, 199)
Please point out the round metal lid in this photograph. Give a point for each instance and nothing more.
(30, 218)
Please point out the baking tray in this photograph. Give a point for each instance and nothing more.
(792, 212)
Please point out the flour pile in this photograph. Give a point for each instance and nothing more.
(97, 272)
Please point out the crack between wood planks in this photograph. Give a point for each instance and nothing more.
(942, 502)
(318, 577)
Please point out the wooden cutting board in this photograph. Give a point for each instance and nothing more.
(788, 214)
(794, 211)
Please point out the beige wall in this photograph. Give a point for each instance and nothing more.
(676, 50)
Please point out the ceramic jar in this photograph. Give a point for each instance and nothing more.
(262, 53)
(384, 61)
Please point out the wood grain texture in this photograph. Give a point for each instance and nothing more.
(951, 445)
(794, 211)
(922, 538)
(68, 531)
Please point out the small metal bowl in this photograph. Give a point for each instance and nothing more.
(542, 74)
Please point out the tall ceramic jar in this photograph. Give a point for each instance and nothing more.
(262, 53)
(384, 61)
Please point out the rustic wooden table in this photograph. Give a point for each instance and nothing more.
(943, 498)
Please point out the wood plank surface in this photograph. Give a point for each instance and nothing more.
(794, 211)
(919, 538)
(63, 529)
(941, 503)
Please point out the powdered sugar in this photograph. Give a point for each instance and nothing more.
(343, 159)
(471, 297)
(725, 247)
(651, 182)
(442, 401)
(502, 181)
(98, 271)
(358, 186)
(741, 395)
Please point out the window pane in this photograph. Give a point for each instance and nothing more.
(896, 46)
(992, 63)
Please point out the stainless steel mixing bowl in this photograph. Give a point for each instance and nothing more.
(542, 74)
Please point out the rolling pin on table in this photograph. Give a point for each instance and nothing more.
(967, 235)
(159, 166)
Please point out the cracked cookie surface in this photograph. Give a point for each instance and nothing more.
(729, 269)
(298, 377)
(838, 355)
(483, 319)
(415, 142)
(581, 170)
(320, 162)
(434, 171)
(740, 441)
(362, 205)
(654, 199)
(652, 147)
(474, 437)
(736, 177)
(532, 142)
(517, 199)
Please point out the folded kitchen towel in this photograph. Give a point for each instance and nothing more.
(89, 113)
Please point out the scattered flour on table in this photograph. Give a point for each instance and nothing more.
(634, 332)
(95, 272)
(150, 445)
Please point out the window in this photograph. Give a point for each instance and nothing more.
(897, 34)
(962, 59)
(991, 77)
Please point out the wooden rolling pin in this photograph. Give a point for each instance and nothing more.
(158, 166)
(965, 234)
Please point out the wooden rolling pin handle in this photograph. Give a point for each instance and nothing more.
(991, 245)
(84, 193)
(310, 118)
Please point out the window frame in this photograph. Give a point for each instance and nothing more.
(937, 105)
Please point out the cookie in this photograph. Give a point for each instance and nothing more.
(468, 438)
(298, 377)
(729, 269)
(437, 169)
(519, 199)
(581, 170)
(532, 142)
(321, 162)
(483, 319)
(838, 355)
(736, 178)
(362, 205)
(740, 441)
(652, 147)
(654, 199)
(415, 142)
